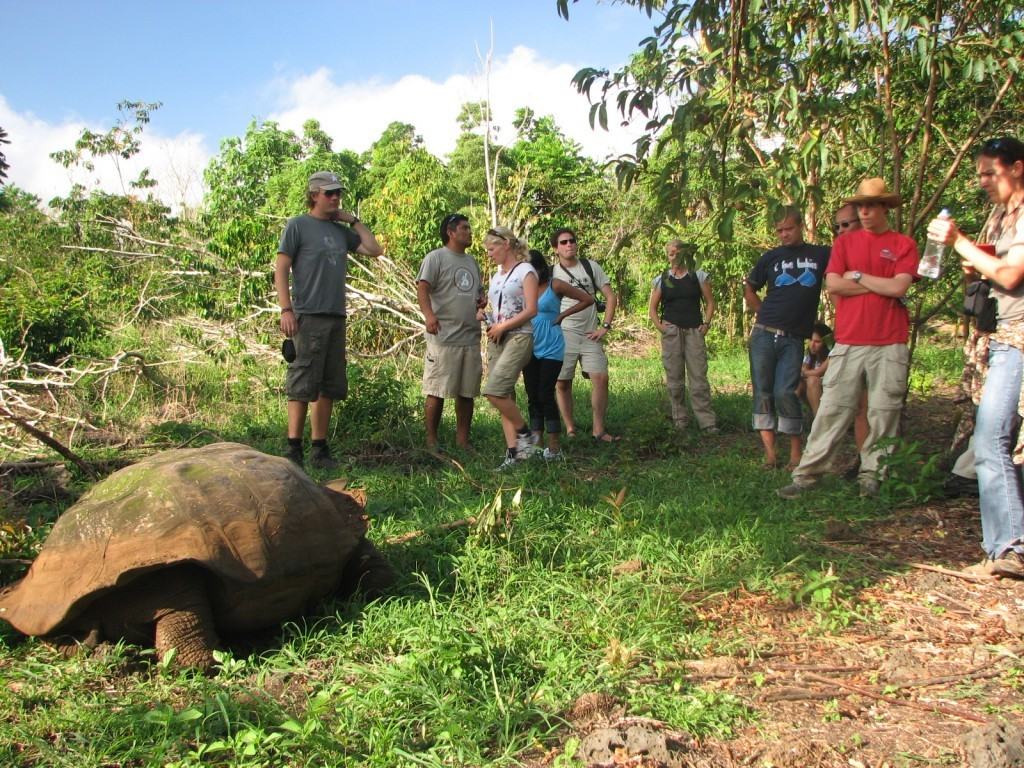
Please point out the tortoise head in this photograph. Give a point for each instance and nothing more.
(349, 501)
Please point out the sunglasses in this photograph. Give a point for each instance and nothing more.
(845, 224)
(568, 241)
(493, 233)
(330, 192)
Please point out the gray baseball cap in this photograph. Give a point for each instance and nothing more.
(324, 180)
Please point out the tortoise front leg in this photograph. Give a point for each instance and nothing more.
(367, 572)
(186, 623)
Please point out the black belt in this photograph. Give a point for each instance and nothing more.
(773, 331)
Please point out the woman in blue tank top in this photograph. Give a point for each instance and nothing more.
(542, 371)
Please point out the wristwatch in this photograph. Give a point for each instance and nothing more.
(606, 326)
(857, 276)
(355, 220)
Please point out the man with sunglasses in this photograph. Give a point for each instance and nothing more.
(846, 220)
(314, 249)
(450, 291)
(583, 334)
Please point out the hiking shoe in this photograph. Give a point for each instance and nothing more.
(868, 487)
(1010, 564)
(321, 458)
(525, 447)
(294, 455)
(793, 490)
(984, 568)
(550, 455)
(509, 462)
(957, 486)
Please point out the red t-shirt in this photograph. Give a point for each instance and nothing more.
(869, 319)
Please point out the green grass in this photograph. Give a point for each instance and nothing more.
(492, 633)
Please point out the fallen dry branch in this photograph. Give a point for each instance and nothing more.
(944, 709)
(402, 538)
(48, 441)
(955, 574)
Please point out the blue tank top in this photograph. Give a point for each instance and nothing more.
(548, 343)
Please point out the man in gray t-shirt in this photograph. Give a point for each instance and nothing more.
(314, 249)
(450, 292)
(583, 333)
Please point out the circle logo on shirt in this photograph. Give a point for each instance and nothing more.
(464, 280)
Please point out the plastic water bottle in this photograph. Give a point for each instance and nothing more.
(931, 260)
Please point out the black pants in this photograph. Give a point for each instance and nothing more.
(540, 375)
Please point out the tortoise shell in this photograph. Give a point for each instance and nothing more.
(272, 541)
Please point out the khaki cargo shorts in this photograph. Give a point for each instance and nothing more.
(588, 353)
(505, 361)
(451, 371)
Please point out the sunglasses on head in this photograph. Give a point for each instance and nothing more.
(331, 192)
(568, 241)
(493, 233)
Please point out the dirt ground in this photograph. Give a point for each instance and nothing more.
(929, 675)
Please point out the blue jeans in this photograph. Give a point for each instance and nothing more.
(775, 372)
(995, 433)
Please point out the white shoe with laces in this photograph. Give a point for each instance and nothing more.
(524, 446)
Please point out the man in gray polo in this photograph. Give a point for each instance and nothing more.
(314, 248)
(450, 291)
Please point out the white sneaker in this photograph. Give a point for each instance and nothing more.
(550, 455)
(524, 446)
(508, 463)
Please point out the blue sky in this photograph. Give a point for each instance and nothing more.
(356, 66)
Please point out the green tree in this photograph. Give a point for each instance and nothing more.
(409, 193)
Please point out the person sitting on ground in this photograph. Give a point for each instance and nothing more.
(814, 366)
(512, 296)
(675, 310)
(541, 373)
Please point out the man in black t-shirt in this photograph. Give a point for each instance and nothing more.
(793, 274)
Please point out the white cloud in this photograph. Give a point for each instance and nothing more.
(175, 162)
(356, 113)
(353, 113)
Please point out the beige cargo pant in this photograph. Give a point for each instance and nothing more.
(852, 369)
(684, 354)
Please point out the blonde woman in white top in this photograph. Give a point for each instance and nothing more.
(512, 298)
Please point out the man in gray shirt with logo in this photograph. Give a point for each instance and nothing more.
(314, 248)
(450, 291)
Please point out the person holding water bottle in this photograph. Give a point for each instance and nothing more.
(999, 452)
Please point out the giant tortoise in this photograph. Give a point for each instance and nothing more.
(194, 542)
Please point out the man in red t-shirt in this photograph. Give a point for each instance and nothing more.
(867, 276)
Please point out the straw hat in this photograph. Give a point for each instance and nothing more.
(874, 191)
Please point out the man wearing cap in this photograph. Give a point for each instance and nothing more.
(793, 275)
(868, 275)
(314, 248)
(450, 291)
